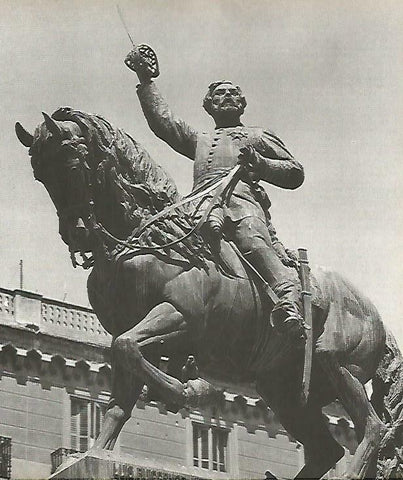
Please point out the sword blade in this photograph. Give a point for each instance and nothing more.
(124, 24)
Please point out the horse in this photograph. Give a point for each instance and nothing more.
(158, 289)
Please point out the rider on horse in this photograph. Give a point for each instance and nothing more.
(263, 157)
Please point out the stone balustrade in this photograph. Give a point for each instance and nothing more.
(6, 305)
(31, 310)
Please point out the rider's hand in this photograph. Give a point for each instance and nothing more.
(134, 61)
(250, 161)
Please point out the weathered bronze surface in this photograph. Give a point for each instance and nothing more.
(164, 287)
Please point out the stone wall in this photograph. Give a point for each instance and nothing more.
(33, 418)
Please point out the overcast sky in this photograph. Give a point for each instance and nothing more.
(325, 76)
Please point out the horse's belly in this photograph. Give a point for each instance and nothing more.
(223, 315)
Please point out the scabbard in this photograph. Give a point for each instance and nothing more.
(304, 273)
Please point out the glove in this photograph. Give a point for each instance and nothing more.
(251, 163)
(143, 60)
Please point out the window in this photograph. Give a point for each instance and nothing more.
(210, 447)
(5, 457)
(85, 422)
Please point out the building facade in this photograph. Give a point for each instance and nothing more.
(54, 388)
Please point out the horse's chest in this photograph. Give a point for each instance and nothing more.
(122, 297)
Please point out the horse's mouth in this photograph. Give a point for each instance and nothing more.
(76, 236)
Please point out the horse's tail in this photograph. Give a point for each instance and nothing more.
(387, 400)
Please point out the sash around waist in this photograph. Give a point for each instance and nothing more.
(210, 177)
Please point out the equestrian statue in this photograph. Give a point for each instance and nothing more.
(204, 280)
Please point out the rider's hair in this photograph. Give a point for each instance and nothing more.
(207, 101)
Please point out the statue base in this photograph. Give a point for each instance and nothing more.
(106, 465)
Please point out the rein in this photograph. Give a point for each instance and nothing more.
(223, 186)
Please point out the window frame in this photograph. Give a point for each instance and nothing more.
(5, 457)
(210, 447)
(79, 441)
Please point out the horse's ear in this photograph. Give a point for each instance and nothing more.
(52, 126)
(23, 135)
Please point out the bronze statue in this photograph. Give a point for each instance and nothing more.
(161, 289)
(246, 219)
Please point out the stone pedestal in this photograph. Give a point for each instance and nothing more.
(105, 465)
(87, 465)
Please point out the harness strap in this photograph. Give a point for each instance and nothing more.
(188, 199)
(222, 187)
(226, 185)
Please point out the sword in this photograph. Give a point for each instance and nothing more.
(307, 306)
(140, 54)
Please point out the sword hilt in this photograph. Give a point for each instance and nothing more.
(143, 55)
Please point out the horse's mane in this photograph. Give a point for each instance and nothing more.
(113, 150)
(122, 165)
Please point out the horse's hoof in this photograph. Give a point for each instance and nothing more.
(200, 392)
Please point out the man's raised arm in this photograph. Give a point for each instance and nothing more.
(174, 131)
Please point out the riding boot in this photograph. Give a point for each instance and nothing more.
(286, 316)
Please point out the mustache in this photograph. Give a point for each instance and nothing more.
(229, 101)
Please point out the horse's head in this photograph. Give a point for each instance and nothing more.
(102, 182)
(58, 155)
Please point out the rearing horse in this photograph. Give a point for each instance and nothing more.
(178, 300)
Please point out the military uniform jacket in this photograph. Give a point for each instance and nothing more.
(217, 152)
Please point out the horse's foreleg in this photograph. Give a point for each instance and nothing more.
(368, 426)
(130, 368)
(125, 392)
(163, 324)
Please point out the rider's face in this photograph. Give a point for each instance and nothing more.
(226, 98)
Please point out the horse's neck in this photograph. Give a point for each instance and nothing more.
(132, 187)
(113, 215)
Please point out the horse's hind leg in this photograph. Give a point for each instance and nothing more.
(307, 425)
(322, 451)
(368, 426)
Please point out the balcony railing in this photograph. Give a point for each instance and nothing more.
(5, 457)
(59, 456)
(73, 322)
(52, 317)
(6, 304)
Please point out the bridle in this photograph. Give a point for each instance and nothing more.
(79, 161)
(223, 187)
